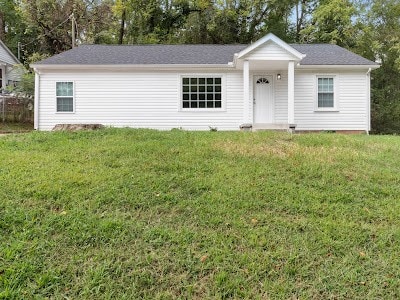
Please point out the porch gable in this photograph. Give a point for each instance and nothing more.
(270, 47)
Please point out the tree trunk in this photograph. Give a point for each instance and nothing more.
(122, 27)
(2, 27)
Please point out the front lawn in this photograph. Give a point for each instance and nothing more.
(130, 214)
(15, 127)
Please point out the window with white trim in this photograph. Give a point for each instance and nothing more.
(202, 92)
(65, 96)
(326, 92)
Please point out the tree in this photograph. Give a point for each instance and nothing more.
(332, 22)
(382, 42)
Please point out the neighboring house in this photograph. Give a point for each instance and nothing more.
(267, 85)
(10, 72)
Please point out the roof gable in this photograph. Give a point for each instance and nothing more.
(271, 45)
(6, 56)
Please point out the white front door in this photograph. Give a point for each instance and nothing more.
(263, 102)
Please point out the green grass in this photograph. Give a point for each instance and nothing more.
(130, 214)
(15, 127)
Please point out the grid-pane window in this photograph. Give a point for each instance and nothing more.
(325, 92)
(201, 92)
(65, 96)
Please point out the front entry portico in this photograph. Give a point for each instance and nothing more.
(268, 56)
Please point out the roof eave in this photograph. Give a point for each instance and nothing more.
(17, 62)
(130, 66)
(314, 67)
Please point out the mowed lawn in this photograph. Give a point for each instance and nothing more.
(132, 214)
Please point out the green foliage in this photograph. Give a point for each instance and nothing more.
(332, 22)
(11, 24)
(27, 84)
(385, 33)
(141, 214)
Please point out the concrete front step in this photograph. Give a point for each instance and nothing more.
(270, 126)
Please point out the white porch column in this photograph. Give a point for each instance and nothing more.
(246, 92)
(291, 92)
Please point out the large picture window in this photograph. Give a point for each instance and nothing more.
(326, 94)
(65, 96)
(201, 92)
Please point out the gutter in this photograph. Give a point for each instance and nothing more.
(130, 67)
(368, 79)
(36, 100)
(348, 67)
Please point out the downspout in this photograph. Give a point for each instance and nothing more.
(36, 101)
(368, 75)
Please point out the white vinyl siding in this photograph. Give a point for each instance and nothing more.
(351, 93)
(270, 51)
(15, 73)
(141, 99)
(152, 99)
(351, 98)
(5, 57)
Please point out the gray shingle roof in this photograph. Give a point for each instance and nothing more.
(318, 54)
(327, 54)
(146, 54)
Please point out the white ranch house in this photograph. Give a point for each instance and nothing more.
(266, 85)
(10, 73)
